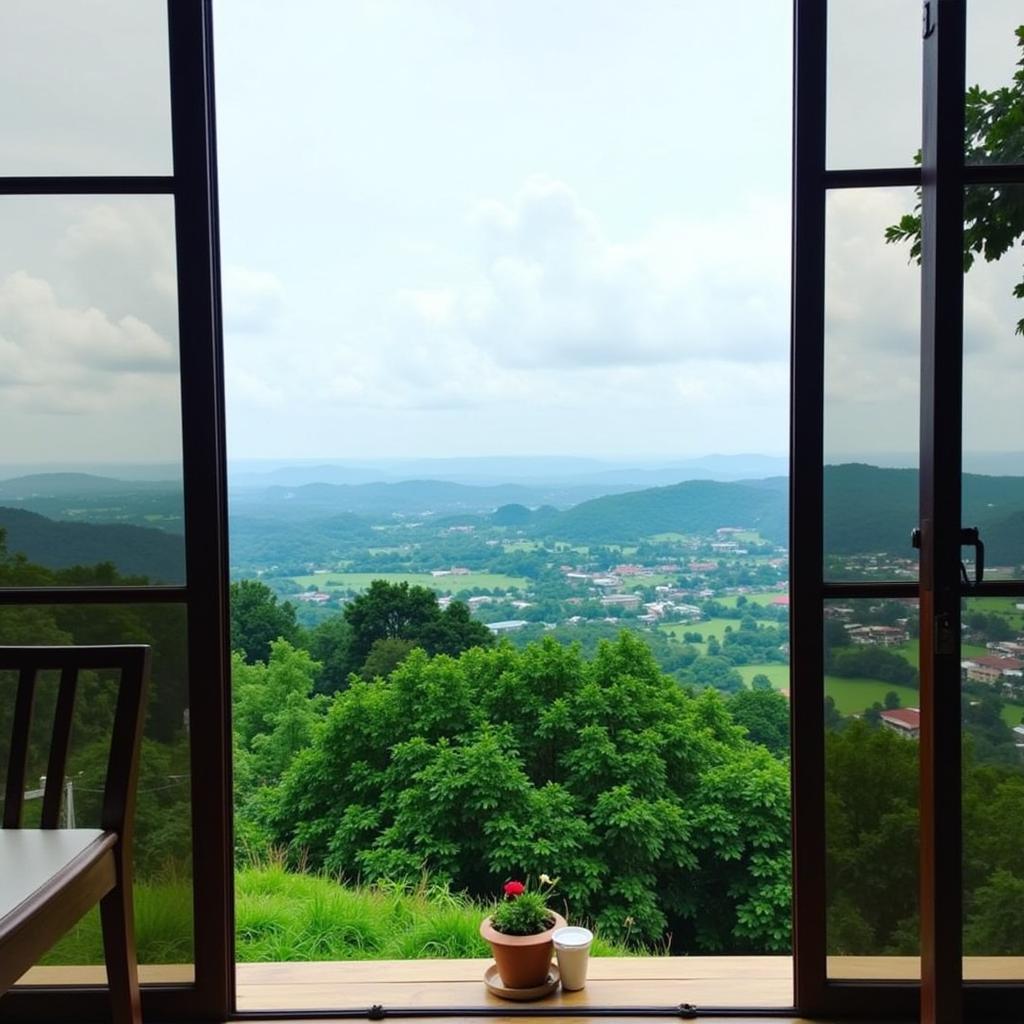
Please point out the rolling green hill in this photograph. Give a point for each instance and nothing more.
(696, 506)
(872, 509)
(135, 550)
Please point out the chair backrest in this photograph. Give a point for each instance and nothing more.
(132, 664)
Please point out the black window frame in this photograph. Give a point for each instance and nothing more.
(942, 995)
(193, 188)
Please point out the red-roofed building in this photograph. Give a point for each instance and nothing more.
(905, 721)
(987, 668)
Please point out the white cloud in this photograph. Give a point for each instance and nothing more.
(253, 299)
(88, 331)
(552, 290)
(53, 339)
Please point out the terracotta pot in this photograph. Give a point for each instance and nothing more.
(523, 960)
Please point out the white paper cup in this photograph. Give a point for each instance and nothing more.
(572, 947)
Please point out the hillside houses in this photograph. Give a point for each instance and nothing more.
(883, 636)
(993, 669)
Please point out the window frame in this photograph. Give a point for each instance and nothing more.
(192, 185)
(942, 995)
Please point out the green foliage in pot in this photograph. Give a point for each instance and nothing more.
(524, 911)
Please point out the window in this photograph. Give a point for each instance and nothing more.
(125, 158)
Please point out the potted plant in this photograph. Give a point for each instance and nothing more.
(520, 931)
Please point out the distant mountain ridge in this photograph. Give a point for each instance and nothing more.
(406, 497)
(59, 485)
(872, 509)
(694, 506)
(135, 550)
(562, 472)
(866, 509)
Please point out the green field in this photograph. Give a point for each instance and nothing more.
(777, 674)
(763, 598)
(853, 696)
(707, 628)
(443, 584)
(1005, 606)
(1013, 714)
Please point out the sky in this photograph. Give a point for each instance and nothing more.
(476, 227)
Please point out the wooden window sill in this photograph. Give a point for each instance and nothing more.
(724, 981)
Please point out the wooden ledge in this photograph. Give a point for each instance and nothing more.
(754, 981)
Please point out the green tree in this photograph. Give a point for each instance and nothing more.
(872, 838)
(388, 611)
(993, 214)
(717, 672)
(330, 644)
(385, 656)
(453, 631)
(654, 810)
(275, 715)
(397, 611)
(996, 911)
(765, 715)
(257, 620)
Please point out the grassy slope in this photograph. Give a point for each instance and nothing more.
(777, 673)
(291, 917)
(854, 696)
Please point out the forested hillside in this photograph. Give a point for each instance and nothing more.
(133, 550)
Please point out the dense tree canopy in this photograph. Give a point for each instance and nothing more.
(649, 803)
(257, 620)
(390, 618)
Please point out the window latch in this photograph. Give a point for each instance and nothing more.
(970, 537)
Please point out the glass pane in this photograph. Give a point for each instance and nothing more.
(872, 384)
(874, 83)
(84, 87)
(992, 687)
(163, 837)
(90, 409)
(993, 428)
(871, 766)
(995, 81)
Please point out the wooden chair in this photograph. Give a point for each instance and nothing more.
(49, 877)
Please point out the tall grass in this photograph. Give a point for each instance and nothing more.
(285, 916)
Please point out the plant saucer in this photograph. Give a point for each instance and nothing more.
(492, 979)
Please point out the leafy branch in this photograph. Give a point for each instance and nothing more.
(993, 214)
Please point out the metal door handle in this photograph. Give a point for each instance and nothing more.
(969, 537)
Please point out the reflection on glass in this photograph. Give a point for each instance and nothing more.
(993, 431)
(994, 111)
(90, 411)
(871, 766)
(163, 862)
(84, 87)
(874, 83)
(872, 383)
(993, 778)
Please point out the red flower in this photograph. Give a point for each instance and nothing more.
(514, 888)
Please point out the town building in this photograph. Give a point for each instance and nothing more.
(905, 721)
